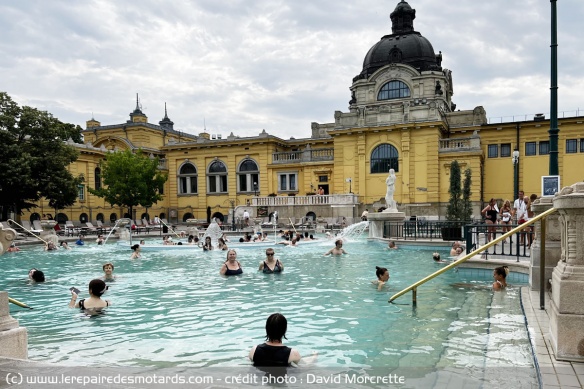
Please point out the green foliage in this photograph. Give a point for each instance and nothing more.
(459, 205)
(130, 180)
(454, 210)
(34, 158)
(466, 193)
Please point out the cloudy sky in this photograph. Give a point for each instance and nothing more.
(245, 65)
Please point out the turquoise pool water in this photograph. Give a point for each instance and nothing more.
(174, 309)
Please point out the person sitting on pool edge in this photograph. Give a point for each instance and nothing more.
(273, 353)
(382, 277)
(271, 264)
(231, 267)
(97, 288)
(500, 276)
(338, 249)
(36, 275)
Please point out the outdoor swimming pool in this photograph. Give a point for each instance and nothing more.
(174, 309)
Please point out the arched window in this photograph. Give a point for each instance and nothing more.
(187, 216)
(113, 217)
(97, 178)
(187, 179)
(217, 177)
(383, 158)
(393, 90)
(248, 176)
(100, 217)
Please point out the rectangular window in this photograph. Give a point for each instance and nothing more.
(218, 184)
(243, 187)
(571, 146)
(529, 148)
(287, 182)
(193, 182)
(544, 147)
(582, 145)
(493, 151)
(249, 182)
(506, 150)
(322, 178)
(81, 192)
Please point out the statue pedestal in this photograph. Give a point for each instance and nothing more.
(552, 244)
(377, 224)
(192, 227)
(13, 339)
(567, 303)
(320, 225)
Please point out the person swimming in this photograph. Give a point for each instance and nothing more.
(382, 277)
(271, 264)
(500, 276)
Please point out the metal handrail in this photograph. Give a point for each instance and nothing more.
(27, 230)
(414, 286)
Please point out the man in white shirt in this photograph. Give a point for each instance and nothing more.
(246, 217)
(520, 209)
(364, 215)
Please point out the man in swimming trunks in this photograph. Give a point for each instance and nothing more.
(338, 249)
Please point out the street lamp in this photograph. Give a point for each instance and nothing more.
(515, 160)
(232, 202)
(255, 189)
(350, 181)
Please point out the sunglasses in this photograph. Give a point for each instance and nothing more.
(270, 254)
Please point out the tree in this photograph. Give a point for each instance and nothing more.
(454, 210)
(34, 157)
(130, 179)
(466, 193)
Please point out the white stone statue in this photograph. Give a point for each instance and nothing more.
(390, 182)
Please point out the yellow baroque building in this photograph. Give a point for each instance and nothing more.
(400, 116)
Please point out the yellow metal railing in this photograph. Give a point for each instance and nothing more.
(414, 286)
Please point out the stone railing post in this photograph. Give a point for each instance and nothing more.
(552, 243)
(13, 339)
(567, 303)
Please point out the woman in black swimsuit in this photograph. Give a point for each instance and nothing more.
(271, 264)
(490, 213)
(97, 288)
(231, 267)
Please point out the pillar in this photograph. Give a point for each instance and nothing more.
(552, 243)
(567, 303)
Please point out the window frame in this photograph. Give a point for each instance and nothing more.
(574, 148)
(392, 162)
(185, 180)
(288, 175)
(217, 180)
(97, 178)
(528, 146)
(81, 192)
(399, 90)
(541, 147)
(507, 148)
(249, 176)
(493, 151)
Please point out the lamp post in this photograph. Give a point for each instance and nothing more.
(255, 189)
(232, 202)
(350, 181)
(515, 160)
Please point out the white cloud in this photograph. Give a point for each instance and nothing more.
(243, 66)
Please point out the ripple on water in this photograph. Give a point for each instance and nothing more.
(174, 309)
